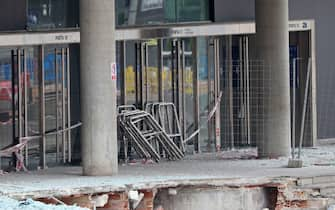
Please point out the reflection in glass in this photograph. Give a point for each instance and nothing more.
(203, 91)
(6, 124)
(48, 14)
(188, 86)
(130, 74)
(153, 12)
(167, 70)
(151, 74)
(55, 59)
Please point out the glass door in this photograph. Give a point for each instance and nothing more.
(7, 102)
(184, 72)
(208, 94)
(141, 71)
(19, 98)
(27, 98)
(56, 105)
(35, 103)
(178, 82)
(236, 92)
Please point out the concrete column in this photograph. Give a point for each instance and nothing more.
(98, 88)
(272, 41)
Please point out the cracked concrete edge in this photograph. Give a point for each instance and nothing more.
(209, 183)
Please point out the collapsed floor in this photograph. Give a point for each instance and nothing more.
(226, 181)
(11, 204)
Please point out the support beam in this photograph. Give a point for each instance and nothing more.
(272, 39)
(98, 88)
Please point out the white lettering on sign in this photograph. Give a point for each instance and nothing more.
(299, 26)
(61, 37)
(113, 72)
(181, 32)
(148, 5)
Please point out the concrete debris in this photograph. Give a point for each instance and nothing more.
(294, 163)
(100, 200)
(133, 195)
(11, 204)
(135, 198)
(172, 191)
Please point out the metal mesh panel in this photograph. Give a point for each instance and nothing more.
(242, 107)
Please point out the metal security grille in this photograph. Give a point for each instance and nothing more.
(246, 88)
(242, 110)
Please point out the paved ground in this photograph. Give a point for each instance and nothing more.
(219, 169)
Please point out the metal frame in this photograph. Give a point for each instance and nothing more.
(160, 71)
(210, 99)
(178, 32)
(217, 91)
(122, 72)
(247, 70)
(68, 79)
(168, 31)
(26, 132)
(230, 90)
(196, 108)
(64, 140)
(43, 164)
(57, 105)
(63, 109)
(313, 81)
(19, 93)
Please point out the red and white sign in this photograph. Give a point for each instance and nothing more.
(113, 72)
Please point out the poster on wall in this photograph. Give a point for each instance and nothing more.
(113, 72)
(148, 5)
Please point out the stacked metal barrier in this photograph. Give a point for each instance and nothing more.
(148, 138)
(166, 115)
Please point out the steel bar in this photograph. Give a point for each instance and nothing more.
(293, 105)
(146, 69)
(240, 91)
(248, 89)
(64, 140)
(26, 132)
(160, 70)
(42, 108)
(216, 95)
(137, 77)
(57, 103)
(209, 89)
(183, 81)
(143, 77)
(20, 98)
(13, 99)
(196, 142)
(68, 79)
(245, 82)
(173, 69)
(123, 66)
(230, 92)
(19, 92)
(304, 110)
